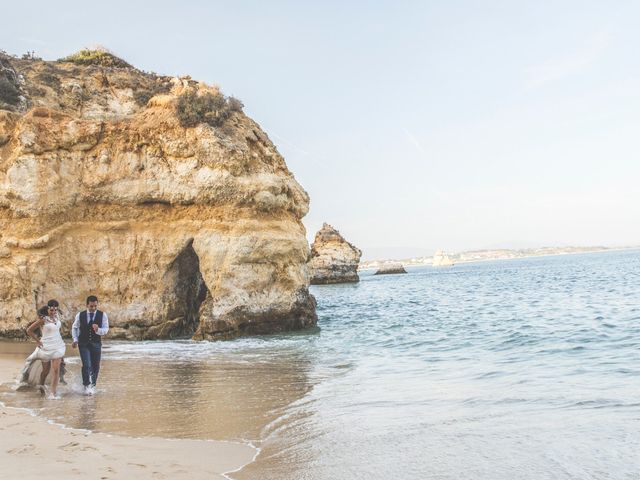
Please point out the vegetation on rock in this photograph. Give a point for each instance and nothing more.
(9, 94)
(101, 57)
(9, 88)
(143, 94)
(213, 109)
(49, 79)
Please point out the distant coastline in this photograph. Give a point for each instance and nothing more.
(476, 256)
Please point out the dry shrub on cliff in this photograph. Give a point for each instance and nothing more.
(210, 108)
(30, 56)
(100, 56)
(49, 79)
(9, 89)
(235, 105)
(142, 95)
(35, 90)
(9, 94)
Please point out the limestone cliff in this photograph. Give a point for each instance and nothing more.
(333, 259)
(179, 230)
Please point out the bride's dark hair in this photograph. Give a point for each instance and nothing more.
(43, 311)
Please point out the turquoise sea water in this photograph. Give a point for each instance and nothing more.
(525, 369)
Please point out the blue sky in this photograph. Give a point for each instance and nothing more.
(413, 125)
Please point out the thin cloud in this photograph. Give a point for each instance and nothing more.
(562, 67)
(291, 146)
(287, 143)
(414, 141)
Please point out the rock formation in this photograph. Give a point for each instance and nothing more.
(441, 259)
(156, 194)
(389, 268)
(333, 259)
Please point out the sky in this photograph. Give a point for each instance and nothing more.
(413, 125)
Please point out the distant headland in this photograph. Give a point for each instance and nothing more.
(471, 256)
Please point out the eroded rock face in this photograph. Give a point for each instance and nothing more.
(180, 232)
(333, 259)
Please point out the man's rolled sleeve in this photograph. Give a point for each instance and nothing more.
(105, 325)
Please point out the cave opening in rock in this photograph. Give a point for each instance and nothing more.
(186, 292)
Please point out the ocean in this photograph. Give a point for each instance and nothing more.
(526, 369)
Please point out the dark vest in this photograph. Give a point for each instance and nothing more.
(86, 331)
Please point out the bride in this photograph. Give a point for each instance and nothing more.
(51, 348)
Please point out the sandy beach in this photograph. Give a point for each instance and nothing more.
(30, 447)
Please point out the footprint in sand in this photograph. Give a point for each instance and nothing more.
(108, 471)
(27, 448)
(178, 468)
(137, 465)
(76, 447)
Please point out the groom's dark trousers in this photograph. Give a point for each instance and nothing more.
(90, 353)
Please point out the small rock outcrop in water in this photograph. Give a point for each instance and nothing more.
(390, 268)
(333, 259)
(157, 194)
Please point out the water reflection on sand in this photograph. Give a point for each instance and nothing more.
(177, 390)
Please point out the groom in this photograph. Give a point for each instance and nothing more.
(87, 331)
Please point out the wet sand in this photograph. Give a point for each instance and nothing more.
(30, 447)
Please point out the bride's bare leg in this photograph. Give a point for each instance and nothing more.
(46, 366)
(55, 377)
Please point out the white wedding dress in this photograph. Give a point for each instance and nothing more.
(52, 347)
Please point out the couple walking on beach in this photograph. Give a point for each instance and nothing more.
(88, 328)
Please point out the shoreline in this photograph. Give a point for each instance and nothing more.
(464, 262)
(31, 445)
